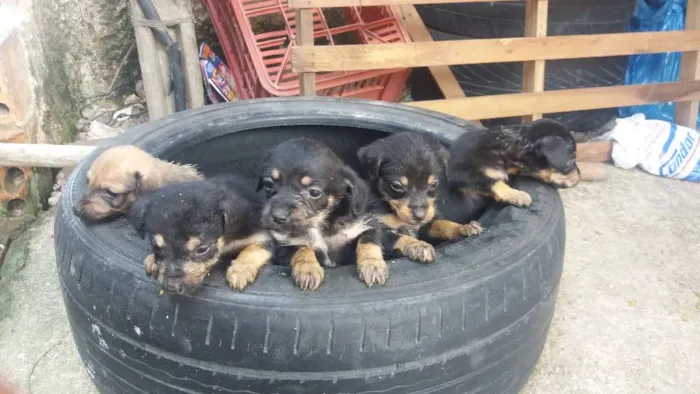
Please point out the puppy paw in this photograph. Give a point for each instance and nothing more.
(518, 198)
(420, 251)
(308, 275)
(238, 276)
(471, 229)
(373, 271)
(150, 265)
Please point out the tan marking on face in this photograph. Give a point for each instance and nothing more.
(392, 221)
(558, 179)
(196, 271)
(275, 174)
(495, 174)
(402, 210)
(331, 201)
(512, 170)
(430, 212)
(159, 240)
(192, 243)
(431, 179)
(306, 180)
(403, 180)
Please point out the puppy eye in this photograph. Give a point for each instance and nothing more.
(111, 193)
(433, 185)
(315, 193)
(397, 187)
(202, 250)
(268, 184)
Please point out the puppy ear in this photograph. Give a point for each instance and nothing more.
(371, 159)
(226, 207)
(357, 189)
(137, 182)
(260, 184)
(553, 149)
(137, 214)
(443, 155)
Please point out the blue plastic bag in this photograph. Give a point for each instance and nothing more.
(655, 15)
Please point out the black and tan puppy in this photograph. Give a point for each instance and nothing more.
(192, 225)
(404, 170)
(316, 207)
(482, 161)
(121, 174)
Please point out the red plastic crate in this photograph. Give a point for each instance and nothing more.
(257, 37)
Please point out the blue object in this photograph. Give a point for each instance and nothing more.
(655, 15)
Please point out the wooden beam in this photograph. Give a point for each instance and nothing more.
(498, 50)
(369, 3)
(687, 111)
(42, 155)
(533, 71)
(419, 33)
(519, 104)
(305, 38)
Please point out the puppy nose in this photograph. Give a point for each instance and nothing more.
(280, 216)
(418, 213)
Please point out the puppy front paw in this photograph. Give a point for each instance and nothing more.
(238, 275)
(515, 197)
(373, 271)
(471, 229)
(420, 251)
(307, 272)
(151, 267)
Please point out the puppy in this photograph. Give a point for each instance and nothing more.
(191, 225)
(404, 170)
(120, 174)
(483, 160)
(316, 206)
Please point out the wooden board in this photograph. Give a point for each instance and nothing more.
(305, 26)
(533, 71)
(687, 112)
(368, 3)
(444, 77)
(428, 54)
(519, 104)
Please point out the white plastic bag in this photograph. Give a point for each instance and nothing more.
(659, 147)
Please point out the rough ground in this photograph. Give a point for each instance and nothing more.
(627, 317)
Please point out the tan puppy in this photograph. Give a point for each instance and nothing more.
(120, 174)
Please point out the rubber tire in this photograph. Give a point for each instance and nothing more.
(475, 321)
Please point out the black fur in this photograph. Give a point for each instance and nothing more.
(224, 206)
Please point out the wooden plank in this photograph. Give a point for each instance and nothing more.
(190, 56)
(369, 3)
(687, 111)
(498, 50)
(519, 104)
(443, 75)
(533, 71)
(305, 37)
(42, 155)
(150, 67)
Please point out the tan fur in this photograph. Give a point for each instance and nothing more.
(504, 193)
(403, 211)
(116, 169)
(196, 271)
(237, 245)
(307, 272)
(415, 249)
(393, 221)
(495, 174)
(192, 243)
(244, 269)
(404, 181)
(371, 266)
(451, 231)
(275, 174)
(559, 179)
(306, 180)
(431, 179)
(150, 266)
(160, 242)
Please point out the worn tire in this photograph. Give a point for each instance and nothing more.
(475, 321)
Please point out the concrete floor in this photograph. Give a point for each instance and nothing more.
(627, 317)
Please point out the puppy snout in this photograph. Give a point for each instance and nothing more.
(419, 212)
(280, 215)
